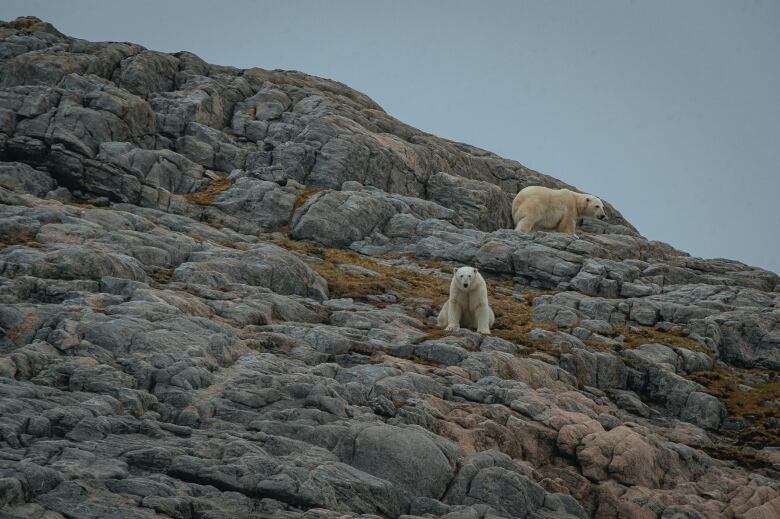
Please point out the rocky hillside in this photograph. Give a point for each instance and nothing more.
(217, 300)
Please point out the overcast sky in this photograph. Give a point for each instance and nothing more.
(668, 109)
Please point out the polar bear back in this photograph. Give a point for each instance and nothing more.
(550, 209)
(546, 205)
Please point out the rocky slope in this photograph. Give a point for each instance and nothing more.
(217, 292)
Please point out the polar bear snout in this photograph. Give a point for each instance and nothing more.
(465, 285)
(602, 216)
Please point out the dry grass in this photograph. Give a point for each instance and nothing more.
(513, 321)
(161, 276)
(206, 197)
(405, 282)
(749, 405)
(299, 201)
(24, 238)
(304, 196)
(648, 335)
(734, 452)
(644, 335)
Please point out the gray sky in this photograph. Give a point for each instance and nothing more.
(668, 109)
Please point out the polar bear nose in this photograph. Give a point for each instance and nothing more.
(465, 285)
(602, 217)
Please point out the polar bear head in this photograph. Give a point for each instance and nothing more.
(465, 277)
(593, 207)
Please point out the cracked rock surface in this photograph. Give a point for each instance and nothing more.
(218, 291)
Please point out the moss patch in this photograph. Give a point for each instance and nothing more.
(161, 276)
(304, 197)
(754, 406)
(403, 281)
(648, 335)
(206, 197)
(299, 201)
(514, 323)
(24, 238)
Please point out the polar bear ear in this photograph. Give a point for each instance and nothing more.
(454, 270)
(587, 199)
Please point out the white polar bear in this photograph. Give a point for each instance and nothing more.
(468, 303)
(541, 208)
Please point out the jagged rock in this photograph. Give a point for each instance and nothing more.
(400, 455)
(265, 203)
(24, 179)
(483, 205)
(263, 265)
(601, 370)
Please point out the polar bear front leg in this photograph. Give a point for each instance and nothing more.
(453, 317)
(526, 224)
(444, 315)
(484, 320)
(568, 225)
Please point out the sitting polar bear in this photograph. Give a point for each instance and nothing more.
(544, 209)
(468, 303)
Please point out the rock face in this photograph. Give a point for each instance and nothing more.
(216, 295)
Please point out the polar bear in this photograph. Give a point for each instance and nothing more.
(468, 303)
(544, 209)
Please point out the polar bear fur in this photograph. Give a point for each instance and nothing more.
(538, 208)
(468, 305)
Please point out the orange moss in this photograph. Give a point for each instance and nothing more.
(405, 282)
(514, 322)
(304, 196)
(206, 197)
(754, 406)
(25, 238)
(161, 276)
(648, 335)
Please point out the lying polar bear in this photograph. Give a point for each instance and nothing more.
(538, 208)
(468, 303)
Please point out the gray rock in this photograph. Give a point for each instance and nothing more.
(653, 354)
(493, 479)
(483, 205)
(400, 455)
(263, 265)
(694, 360)
(22, 178)
(441, 353)
(629, 401)
(601, 370)
(562, 316)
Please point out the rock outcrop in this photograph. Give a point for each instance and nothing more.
(218, 291)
